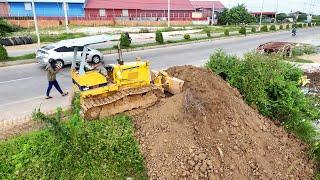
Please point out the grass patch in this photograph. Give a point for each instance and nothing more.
(74, 149)
(299, 60)
(302, 50)
(58, 37)
(23, 57)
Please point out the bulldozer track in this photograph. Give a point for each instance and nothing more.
(95, 104)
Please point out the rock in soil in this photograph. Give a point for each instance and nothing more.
(209, 132)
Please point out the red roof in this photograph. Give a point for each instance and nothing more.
(139, 4)
(207, 4)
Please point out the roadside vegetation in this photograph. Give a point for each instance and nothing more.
(272, 86)
(74, 149)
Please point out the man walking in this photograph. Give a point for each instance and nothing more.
(52, 71)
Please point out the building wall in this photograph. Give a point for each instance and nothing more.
(4, 11)
(110, 13)
(46, 9)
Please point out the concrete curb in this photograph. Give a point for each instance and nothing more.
(114, 51)
(17, 62)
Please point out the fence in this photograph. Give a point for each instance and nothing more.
(139, 19)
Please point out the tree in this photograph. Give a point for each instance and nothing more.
(281, 16)
(302, 17)
(236, 15)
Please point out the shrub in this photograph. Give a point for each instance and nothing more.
(226, 32)
(273, 27)
(281, 27)
(207, 31)
(304, 25)
(187, 37)
(159, 37)
(125, 40)
(6, 28)
(264, 28)
(309, 25)
(3, 53)
(294, 26)
(144, 30)
(300, 25)
(299, 51)
(243, 30)
(287, 26)
(272, 86)
(253, 29)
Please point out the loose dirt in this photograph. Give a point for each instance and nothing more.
(208, 132)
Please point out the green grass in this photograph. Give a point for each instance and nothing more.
(295, 59)
(75, 149)
(302, 50)
(23, 57)
(59, 37)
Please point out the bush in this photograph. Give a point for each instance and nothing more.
(144, 30)
(243, 30)
(287, 26)
(281, 27)
(6, 28)
(75, 149)
(273, 27)
(309, 25)
(300, 25)
(272, 86)
(226, 32)
(302, 50)
(187, 37)
(159, 37)
(207, 31)
(253, 29)
(125, 40)
(304, 25)
(264, 28)
(3, 53)
(294, 26)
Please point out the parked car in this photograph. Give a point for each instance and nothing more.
(64, 55)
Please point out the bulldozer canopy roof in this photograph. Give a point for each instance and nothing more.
(85, 41)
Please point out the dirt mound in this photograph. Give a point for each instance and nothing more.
(208, 132)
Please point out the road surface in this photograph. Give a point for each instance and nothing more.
(22, 88)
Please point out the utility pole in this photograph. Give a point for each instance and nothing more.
(275, 17)
(212, 18)
(261, 15)
(65, 9)
(169, 13)
(35, 22)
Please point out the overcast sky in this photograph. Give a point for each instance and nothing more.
(284, 5)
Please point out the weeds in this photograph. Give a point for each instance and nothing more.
(302, 50)
(74, 149)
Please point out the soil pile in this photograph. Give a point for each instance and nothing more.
(208, 132)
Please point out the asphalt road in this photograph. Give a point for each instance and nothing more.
(22, 87)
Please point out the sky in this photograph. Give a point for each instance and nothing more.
(283, 6)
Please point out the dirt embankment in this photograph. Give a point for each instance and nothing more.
(208, 132)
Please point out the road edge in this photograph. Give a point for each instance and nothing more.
(30, 61)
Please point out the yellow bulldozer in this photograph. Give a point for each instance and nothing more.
(127, 86)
